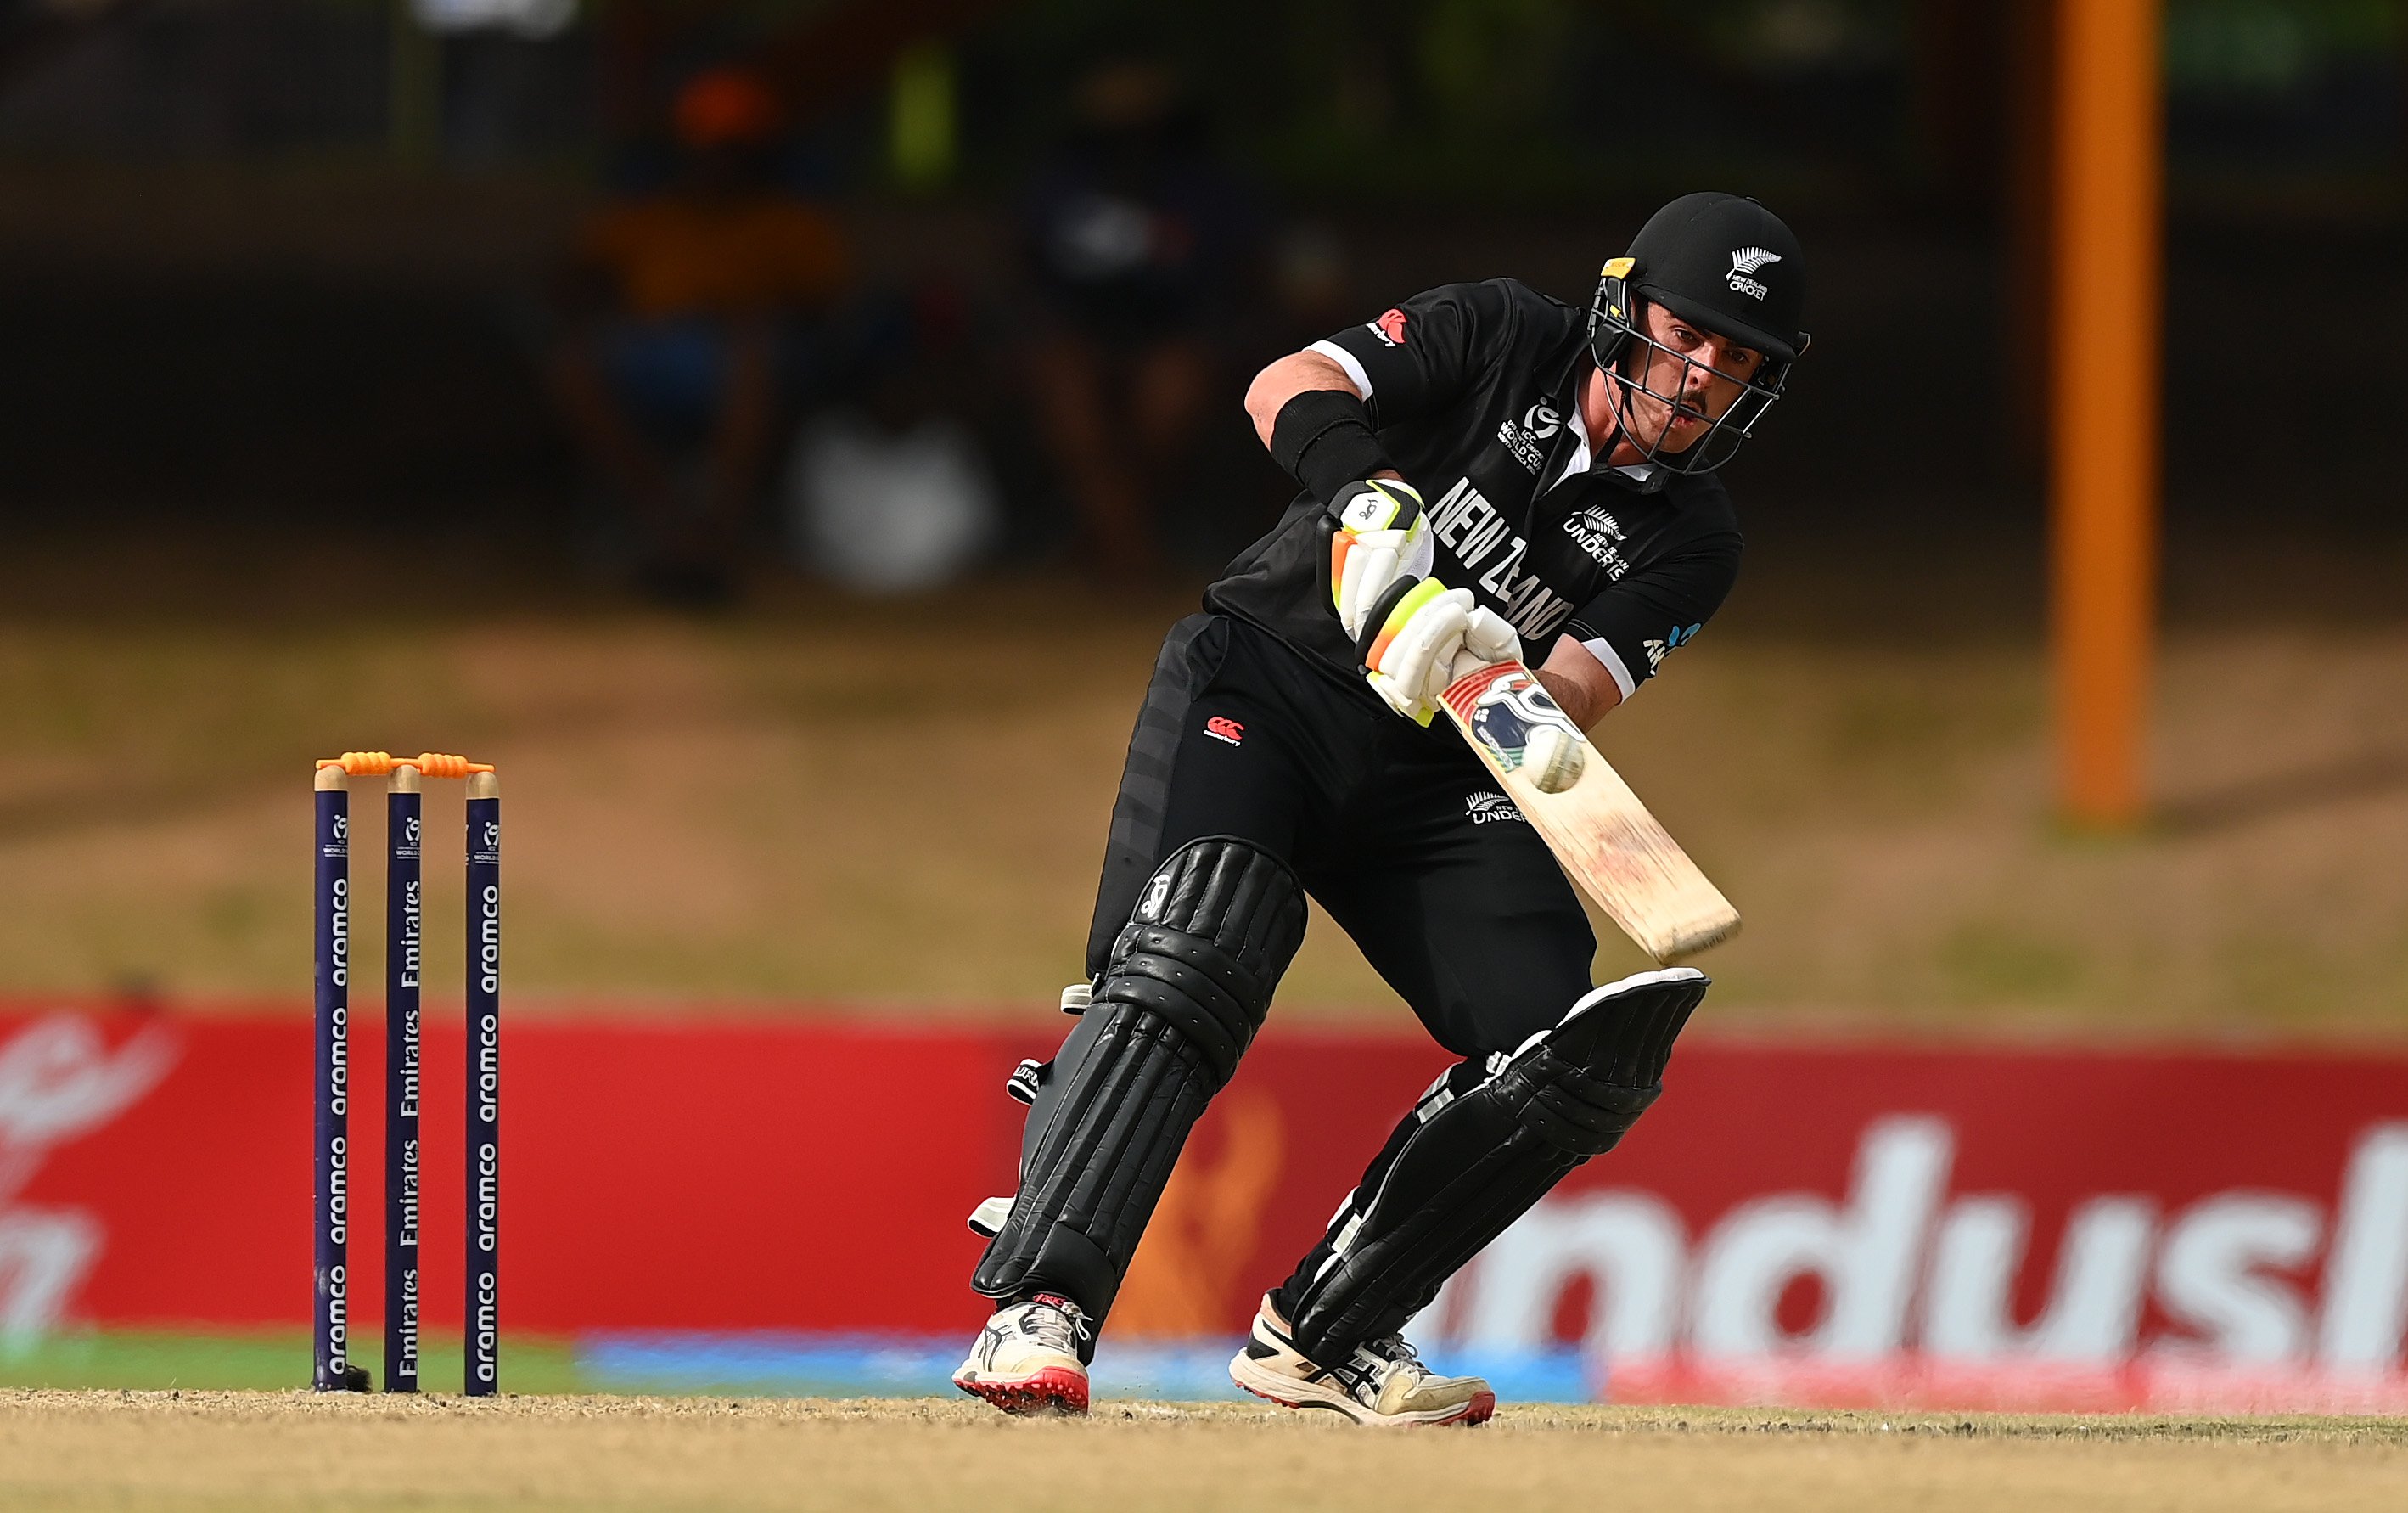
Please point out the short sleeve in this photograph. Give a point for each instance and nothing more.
(1637, 623)
(1420, 355)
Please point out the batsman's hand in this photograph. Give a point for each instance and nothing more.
(1430, 636)
(1382, 536)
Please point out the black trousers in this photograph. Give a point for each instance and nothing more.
(1396, 830)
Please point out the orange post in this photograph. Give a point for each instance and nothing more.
(2105, 400)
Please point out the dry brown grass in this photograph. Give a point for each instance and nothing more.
(291, 1451)
(852, 802)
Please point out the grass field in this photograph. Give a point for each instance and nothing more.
(263, 1360)
(270, 1451)
(794, 804)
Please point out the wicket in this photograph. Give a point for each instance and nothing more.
(331, 1368)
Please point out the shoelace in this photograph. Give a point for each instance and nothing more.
(1397, 1353)
(1058, 1327)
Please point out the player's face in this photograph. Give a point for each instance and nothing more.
(1684, 383)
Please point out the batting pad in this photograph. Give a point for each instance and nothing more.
(1189, 982)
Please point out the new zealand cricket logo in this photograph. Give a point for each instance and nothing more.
(1504, 712)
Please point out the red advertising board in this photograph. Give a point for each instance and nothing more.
(1799, 1222)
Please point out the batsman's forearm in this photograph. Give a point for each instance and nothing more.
(1579, 682)
(1571, 696)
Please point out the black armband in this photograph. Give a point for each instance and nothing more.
(1324, 439)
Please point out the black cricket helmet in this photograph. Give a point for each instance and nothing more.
(1722, 262)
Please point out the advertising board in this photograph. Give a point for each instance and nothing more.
(1796, 1220)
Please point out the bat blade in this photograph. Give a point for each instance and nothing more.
(1602, 834)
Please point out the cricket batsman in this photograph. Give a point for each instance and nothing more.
(1488, 473)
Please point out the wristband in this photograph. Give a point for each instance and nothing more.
(1324, 439)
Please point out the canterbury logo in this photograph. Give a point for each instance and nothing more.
(1744, 262)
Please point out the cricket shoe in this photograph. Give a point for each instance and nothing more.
(1027, 1357)
(1380, 1382)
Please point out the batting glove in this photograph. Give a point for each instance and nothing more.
(1430, 635)
(1382, 536)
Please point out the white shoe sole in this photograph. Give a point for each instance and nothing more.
(1291, 1393)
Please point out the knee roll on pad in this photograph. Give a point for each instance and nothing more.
(1482, 1158)
(1188, 983)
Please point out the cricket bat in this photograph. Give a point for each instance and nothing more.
(1597, 828)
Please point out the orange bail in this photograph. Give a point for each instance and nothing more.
(382, 763)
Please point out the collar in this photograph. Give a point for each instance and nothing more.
(1639, 474)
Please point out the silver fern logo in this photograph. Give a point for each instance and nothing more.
(1488, 808)
(1598, 533)
(1746, 262)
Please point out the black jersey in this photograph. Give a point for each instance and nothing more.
(1472, 389)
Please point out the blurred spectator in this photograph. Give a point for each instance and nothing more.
(1313, 285)
(687, 309)
(1138, 245)
(893, 491)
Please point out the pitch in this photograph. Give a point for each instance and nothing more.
(272, 1450)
